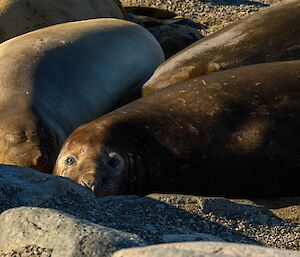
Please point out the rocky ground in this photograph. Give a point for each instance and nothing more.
(43, 215)
(212, 14)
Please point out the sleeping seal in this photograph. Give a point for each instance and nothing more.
(57, 78)
(21, 16)
(174, 33)
(272, 34)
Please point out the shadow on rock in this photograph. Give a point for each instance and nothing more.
(156, 218)
(277, 203)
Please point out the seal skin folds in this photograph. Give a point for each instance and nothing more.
(230, 133)
(57, 78)
(266, 36)
(21, 16)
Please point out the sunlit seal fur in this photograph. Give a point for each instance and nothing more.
(20, 16)
(57, 78)
(230, 133)
(272, 34)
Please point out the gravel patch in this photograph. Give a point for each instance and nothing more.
(212, 14)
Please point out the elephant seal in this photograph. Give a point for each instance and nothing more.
(21, 16)
(175, 37)
(266, 36)
(231, 133)
(57, 78)
(155, 13)
(174, 33)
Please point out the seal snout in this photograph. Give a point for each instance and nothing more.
(41, 161)
(89, 181)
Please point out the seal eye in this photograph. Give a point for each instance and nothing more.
(70, 161)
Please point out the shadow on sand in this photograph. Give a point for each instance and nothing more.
(236, 2)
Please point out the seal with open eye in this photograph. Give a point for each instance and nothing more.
(230, 133)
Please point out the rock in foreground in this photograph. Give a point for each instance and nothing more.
(205, 250)
(157, 218)
(27, 187)
(58, 235)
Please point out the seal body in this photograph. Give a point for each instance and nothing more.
(231, 133)
(266, 36)
(175, 37)
(174, 33)
(155, 13)
(21, 16)
(57, 78)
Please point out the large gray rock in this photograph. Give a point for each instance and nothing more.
(202, 249)
(27, 187)
(156, 218)
(58, 234)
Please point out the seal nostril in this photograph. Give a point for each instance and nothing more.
(90, 181)
(91, 185)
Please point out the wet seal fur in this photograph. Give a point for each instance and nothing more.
(57, 78)
(272, 34)
(231, 133)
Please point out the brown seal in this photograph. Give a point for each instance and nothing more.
(57, 78)
(272, 34)
(155, 13)
(20, 16)
(174, 33)
(231, 133)
(175, 37)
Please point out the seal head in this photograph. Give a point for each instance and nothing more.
(92, 164)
